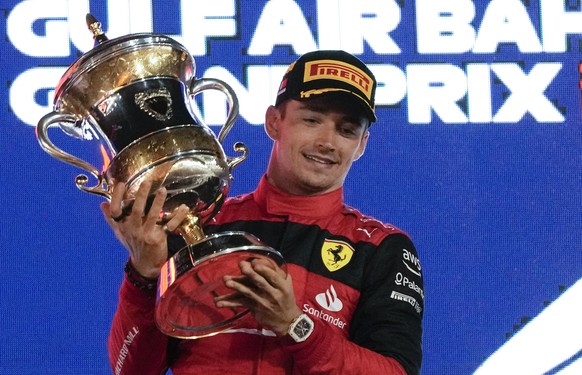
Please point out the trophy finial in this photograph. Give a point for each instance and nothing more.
(95, 26)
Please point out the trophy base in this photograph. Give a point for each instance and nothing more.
(192, 278)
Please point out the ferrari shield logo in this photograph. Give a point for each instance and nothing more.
(336, 254)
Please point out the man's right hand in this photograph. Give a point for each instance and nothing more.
(143, 234)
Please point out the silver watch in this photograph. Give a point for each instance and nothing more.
(301, 328)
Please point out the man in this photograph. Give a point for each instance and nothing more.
(353, 283)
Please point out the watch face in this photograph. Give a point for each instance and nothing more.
(302, 328)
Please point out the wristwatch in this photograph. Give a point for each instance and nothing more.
(301, 328)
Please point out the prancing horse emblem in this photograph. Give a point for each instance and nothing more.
(336, 254)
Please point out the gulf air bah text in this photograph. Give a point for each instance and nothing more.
(486, 86)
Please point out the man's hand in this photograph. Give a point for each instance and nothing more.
(143, 234)
(266, 290)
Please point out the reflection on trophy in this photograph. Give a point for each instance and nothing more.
(134, 96)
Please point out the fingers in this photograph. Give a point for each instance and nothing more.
(140, 202)
(233, 300)
(241, 288)
(115, 209)
(266, 290)
(138, 227)
(260, 279)
(264, 272)
(138, 212)
(260, 274)
(142, 207)
(153, 215)
(242, 295)
(175, 218)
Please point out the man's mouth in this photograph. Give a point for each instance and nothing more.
(320, 159)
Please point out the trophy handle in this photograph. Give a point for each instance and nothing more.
(69, 124)
(198, 85)
(238, 147)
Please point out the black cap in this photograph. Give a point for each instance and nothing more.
(322, 72)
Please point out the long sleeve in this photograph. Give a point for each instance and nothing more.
(136, 346)
(388, 318)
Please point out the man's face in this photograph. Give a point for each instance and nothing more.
(316, 142)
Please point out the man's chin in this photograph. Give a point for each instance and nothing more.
(315, 186)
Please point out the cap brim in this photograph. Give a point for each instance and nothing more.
(346, 94)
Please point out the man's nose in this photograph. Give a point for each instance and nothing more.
(326, 137)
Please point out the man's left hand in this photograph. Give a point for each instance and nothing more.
(266, 290)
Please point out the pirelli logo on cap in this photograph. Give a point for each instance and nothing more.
(339, 71)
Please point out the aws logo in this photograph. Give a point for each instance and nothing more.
(336, 254)
(411, 262)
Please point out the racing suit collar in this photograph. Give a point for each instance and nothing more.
(278, 202)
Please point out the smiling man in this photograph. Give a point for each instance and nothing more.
(351, 301)
(315, 144)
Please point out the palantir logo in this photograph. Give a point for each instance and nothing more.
(329, 300)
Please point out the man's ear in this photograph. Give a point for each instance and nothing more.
(362, 146)
(272, 121)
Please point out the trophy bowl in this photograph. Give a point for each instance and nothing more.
(133, 95)
(185, 304)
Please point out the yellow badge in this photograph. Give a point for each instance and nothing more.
(339, 71)
(336, 254)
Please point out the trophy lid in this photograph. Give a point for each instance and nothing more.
(118, 62)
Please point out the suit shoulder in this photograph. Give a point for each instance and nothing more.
(369, 229)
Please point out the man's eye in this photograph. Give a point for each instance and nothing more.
(348, 131)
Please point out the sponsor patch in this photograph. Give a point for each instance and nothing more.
(415, 266)
(336, 254)
(318, 313)
(329, 300)
(339, 71)
(406, 298)
(405, 281)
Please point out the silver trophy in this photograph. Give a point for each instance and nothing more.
(133, 96)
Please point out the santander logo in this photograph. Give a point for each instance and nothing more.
(329, 300)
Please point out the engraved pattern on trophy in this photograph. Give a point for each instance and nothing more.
(134, 95)
(156, 103)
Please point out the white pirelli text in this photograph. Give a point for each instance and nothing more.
(406, 298)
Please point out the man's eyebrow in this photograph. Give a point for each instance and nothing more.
(323, 108)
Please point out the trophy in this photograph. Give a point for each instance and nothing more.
(134, 96)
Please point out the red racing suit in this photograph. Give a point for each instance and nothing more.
(359, 280)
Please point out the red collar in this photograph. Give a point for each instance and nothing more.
(277, 202)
